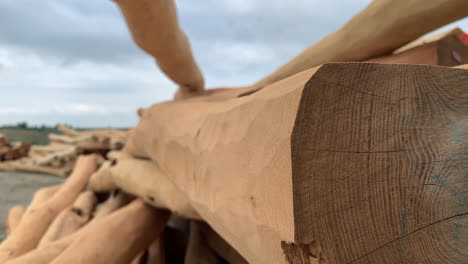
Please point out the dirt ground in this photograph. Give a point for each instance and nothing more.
(18, 188)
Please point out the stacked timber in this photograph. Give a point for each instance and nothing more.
(69, 223)
(59, 157)
(12, 151)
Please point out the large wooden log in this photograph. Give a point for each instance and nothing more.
(384, 26)
(29, 165)
(364, 161)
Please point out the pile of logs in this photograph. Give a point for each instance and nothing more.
(70, 223)
(58, 158)
(355, 151)
(12, 151)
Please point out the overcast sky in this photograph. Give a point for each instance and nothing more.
(73, 61)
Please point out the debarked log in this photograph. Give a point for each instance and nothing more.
(348, 163)
(144, 179)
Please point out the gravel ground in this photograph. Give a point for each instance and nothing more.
(18, 189)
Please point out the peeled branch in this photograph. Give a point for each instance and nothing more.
(130, 229)
(71, 219)
(14, 217)
(112, 204)
(144, 179)
(38, 218)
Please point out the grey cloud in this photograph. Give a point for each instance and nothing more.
(69, 30)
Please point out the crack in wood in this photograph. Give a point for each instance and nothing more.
(417, 230)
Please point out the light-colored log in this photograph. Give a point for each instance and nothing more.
(339, 156)
(49, 251)
(71, 219)
(131, 230)
(144, 179)
(447, 51)
(155, 29)
(384, 26)
(42, 195)
(457, 32)
(51, 159)
(68, 130)
(28, 165)
(13, 219)
(108, 138)
(36, 220)
(71, 140)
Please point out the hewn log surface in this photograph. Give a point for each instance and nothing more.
(364, 161)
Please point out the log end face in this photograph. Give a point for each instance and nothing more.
(379, 164)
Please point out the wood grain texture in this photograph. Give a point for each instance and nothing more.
(344, 160)
(210, 150)
(380, 164)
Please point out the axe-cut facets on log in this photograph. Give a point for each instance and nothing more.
(314, 157)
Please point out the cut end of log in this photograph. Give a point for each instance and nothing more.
(377, 129)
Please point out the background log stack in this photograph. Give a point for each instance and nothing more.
(12, 151)
(58, 158)
(318, 162)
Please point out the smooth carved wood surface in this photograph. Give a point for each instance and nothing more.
(210, 150)
(350, 163)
